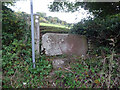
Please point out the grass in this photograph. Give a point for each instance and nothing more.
(55, 30)
(53, 25)
(45, 27)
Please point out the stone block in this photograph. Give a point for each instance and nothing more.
(69, 44)
(60, 63)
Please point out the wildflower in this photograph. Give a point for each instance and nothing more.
(24, 83)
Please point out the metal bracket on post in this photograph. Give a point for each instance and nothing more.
(32, 33)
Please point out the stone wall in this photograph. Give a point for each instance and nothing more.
(70, 44)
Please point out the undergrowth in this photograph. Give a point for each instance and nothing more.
(17, 66)
(89, 73)
(18, 71)
(101, 71)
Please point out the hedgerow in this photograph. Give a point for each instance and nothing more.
(102, 31)
(17, 66)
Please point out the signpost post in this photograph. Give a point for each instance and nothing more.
(32, 34)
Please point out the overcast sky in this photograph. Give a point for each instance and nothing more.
(42, 6)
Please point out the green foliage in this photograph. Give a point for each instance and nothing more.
(102, 32)
(18, 67)
(13, 25)
(88, 73)
(78, 76)
(52, 20)
(98, 9)
(17, 63)
(62, 6)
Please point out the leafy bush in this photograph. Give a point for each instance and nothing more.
(102, 32)
(17, 63)
(13, 25)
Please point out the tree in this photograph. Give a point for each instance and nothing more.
(100, 31)
(41, 14)
(104, 27)
(99, 9)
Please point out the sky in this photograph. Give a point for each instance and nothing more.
(42, 6)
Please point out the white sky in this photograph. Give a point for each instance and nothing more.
(42, 6)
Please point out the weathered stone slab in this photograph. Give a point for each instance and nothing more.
(70, 44)
(60, 63)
